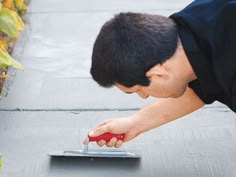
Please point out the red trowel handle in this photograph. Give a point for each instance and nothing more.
(106, 136)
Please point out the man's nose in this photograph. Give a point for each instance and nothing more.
(143, 95)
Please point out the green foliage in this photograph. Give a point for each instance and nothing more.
(10, 23)
(7, 60)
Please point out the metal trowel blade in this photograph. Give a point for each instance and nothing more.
(94, 153)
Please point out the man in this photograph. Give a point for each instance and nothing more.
(187, 60)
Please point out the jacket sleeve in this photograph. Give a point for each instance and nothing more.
(234, 94)
(225, 50)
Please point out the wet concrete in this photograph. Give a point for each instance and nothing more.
(202, 144)
(54, 102)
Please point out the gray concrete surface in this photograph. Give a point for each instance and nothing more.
(54, 102)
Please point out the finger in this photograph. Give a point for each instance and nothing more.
(119, 144)
(103, 123)
(112, 142)
(99, 130)
(101, 143)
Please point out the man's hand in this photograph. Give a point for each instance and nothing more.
(124, 125)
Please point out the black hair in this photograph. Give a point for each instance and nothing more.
(129, 45)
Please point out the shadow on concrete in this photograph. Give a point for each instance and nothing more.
(85, 163)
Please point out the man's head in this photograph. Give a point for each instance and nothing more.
(129, 45)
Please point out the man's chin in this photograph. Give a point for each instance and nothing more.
(177, 95)
(173, 95)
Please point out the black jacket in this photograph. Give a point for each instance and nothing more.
(207, 30)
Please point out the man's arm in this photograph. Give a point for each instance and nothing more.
(157, 113)
(164, 110)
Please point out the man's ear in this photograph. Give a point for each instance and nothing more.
(157, 70)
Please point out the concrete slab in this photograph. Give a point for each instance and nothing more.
(199, 145)
(34, 90)
(92, 6)
(57, 62)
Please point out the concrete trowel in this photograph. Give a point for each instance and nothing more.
(97, 153)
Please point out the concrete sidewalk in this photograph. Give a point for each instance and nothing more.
(53, 103)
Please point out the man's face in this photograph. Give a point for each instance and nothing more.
(167, 80)
(158, 87)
